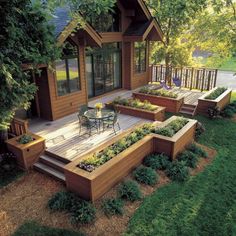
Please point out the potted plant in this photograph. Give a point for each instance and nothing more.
(98, 107)
(27, 148)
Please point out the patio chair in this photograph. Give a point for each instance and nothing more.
(177, 81)
(111, 121)
(87, 123)
(164, 85)
(83, 109)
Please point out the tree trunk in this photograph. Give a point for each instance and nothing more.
(168, 70)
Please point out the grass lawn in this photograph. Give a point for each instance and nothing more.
(204, 205)
(34, 229)
(229, 65)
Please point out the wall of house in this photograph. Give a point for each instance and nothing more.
(68, 104)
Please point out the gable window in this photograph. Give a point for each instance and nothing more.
(109, 22)
(140, 50)
(67, 71)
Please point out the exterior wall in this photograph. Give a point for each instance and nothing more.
(68, 104)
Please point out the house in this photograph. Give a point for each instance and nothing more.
(108, 53)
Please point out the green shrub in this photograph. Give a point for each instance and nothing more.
(177, 171)
(228, 112)
(82, 212)
(61, 201)
(197, 150)
(216, 93)
(25, 138)
(113, 206)
(158, 92)
(165, 131)
(146, 175)
(129, 190)
(200, 129)
(157, 161)
(189, 158)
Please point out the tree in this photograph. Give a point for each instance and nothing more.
(25, 37)
(175, 18)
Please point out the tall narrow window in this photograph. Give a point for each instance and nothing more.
(67, 71)
(140, 50)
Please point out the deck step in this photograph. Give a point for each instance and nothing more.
(188, 109)
(55, 156)
(52, 162)
(43, 168)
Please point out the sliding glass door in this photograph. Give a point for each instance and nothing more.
(103, 69)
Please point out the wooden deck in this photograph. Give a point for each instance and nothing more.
(63, 139)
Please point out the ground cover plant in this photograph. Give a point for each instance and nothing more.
(203, 205)
(172, 128)
(80, 210)
(145, 175)
(113, 206)
(98, 159)
(9, 170)
(158, 92)
(32, 228)
(135, 103)
(157, 161)
(230, 110)
(216, 93)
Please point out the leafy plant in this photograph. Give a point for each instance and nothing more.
(172, 128)
(158, 92)
(177, 171)
(129, 190)
(189, 158)
(228, 111)
(200, 129)
(82, 212)
(197, 150)
(157, 161)
(113, 206)
(146, 175)
(216, 93)
(25, 138)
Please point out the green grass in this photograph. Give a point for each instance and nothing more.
(229, 65)
(34, 229)
(204, 205)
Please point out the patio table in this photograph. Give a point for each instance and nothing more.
(92, 114)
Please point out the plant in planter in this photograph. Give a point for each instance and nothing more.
(25, 138)
(158, 92)
(216, 93)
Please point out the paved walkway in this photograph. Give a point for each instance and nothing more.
(227, 79)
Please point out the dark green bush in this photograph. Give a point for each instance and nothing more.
(157, 161)
(228, 112)
(200, 129)
(146, 175)
(61, 201)
(113, 206)
(189, 158)
(82, 212)
(130, 191)
(197, 150)
(177, 171)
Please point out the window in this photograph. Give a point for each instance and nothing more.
(109, 22)
(67, 71)
(140, 49)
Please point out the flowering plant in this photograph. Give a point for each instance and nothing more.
(98, 106)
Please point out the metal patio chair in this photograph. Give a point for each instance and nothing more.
(112, 122)
(87, 123)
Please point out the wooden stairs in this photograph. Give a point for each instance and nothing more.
(188, 109)
(51, 165)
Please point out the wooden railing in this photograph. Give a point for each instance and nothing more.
(192, 78)
(18, 127)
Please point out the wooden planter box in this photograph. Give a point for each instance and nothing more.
(221, 102)
(26, 154)
(159, 114)
(91, 186)
(171, 146)
(171, 104)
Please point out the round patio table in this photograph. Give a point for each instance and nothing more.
(92, 114)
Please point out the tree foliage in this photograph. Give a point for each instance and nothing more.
(25, 37)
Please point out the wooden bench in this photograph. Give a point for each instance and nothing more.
(18, 127)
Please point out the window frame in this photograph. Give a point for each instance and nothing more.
(140, 69)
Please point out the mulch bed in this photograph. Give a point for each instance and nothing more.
(26, 199)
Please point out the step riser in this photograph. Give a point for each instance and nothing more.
(56, 157)
(187, 109)
(48, 163)
(49, 174)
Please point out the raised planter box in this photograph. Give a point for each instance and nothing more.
(171, 146)
(91, 186)
(159, 114)
(27, 154)
(171, 104)
(221, 102)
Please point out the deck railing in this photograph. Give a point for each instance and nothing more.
(191, 78)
